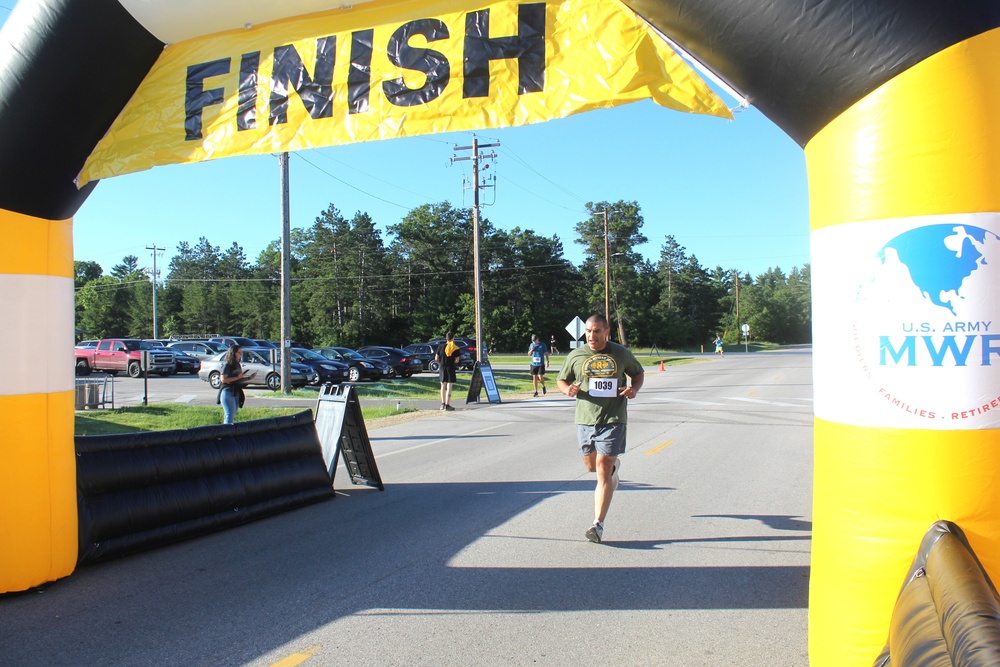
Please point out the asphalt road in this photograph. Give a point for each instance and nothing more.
(474, 554)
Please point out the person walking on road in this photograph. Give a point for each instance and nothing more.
(602, 376)
(552, 345)
(539, 362)
(718, 346)
(233, 378)
(448, 355)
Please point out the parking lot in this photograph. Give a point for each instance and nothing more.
(187, 389)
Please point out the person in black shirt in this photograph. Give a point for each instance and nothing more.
(448, 355)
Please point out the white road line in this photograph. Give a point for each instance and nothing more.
(185, 398)
(681, 400)
(764, 402)
(439, 441)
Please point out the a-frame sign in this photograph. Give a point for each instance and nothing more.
(482, 376)
(342, 432)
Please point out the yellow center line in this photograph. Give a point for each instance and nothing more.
(659, 448)
(297, 658)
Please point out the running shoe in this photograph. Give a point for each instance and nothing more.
(594, 533)
(543, 390)
(536, 395)
(448, 407)
(614, 474)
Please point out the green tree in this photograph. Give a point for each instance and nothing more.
(85, 272)
(435, 243)
(99, 315)
(616, 244)
(345, 280)
(115, 305)
(195, 270)
(128, 266)
(528, 287)
(777, 306)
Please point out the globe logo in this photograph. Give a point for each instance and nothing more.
(926, 327)
(945, 263)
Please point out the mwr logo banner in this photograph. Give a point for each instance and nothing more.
(906, 324)
(374, 71)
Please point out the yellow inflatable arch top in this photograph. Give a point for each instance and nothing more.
(892, 100)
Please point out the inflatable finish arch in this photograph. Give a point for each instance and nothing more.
(891, 99)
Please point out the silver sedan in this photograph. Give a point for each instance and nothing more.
(255, 360)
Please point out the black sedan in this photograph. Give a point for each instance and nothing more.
(401, 361)
(186, 363)
(326, 370)
(361, 367)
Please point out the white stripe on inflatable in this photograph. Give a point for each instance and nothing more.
(906, 317)
(38, 334)
(173, 21)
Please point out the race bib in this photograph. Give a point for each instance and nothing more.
(604, 387)
(536, 359)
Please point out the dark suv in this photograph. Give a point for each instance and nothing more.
(400, 360)
(467, 346)
(423, 352)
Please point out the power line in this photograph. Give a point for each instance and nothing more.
(506, 149)
(364, 173)
(353, 187)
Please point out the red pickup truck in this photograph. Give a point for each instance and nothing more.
(124, 354)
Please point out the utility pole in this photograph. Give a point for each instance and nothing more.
(155, 250)
(607, 266)
(477, 277)
(738, 303)
(607, 269)
(286, 279)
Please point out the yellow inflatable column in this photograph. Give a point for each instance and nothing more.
(38, 515)
(904, 197)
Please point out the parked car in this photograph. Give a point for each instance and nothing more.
(186, 363)
(202, 349)
(86, 345)
(264, 343)
(228, 341)
(424, 352)
(401, 361)
(333, 372)
(114, 355)
(360, 366)
(467, 347)
(255, 359)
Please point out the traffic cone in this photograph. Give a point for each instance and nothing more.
(661, 365)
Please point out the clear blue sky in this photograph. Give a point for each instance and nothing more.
(733, 193)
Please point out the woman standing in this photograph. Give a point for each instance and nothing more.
(231, 392)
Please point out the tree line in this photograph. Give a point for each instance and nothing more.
(352, 287)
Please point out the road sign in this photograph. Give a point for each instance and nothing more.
(745, 328)
(576, 328)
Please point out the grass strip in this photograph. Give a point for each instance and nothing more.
(165, 417)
